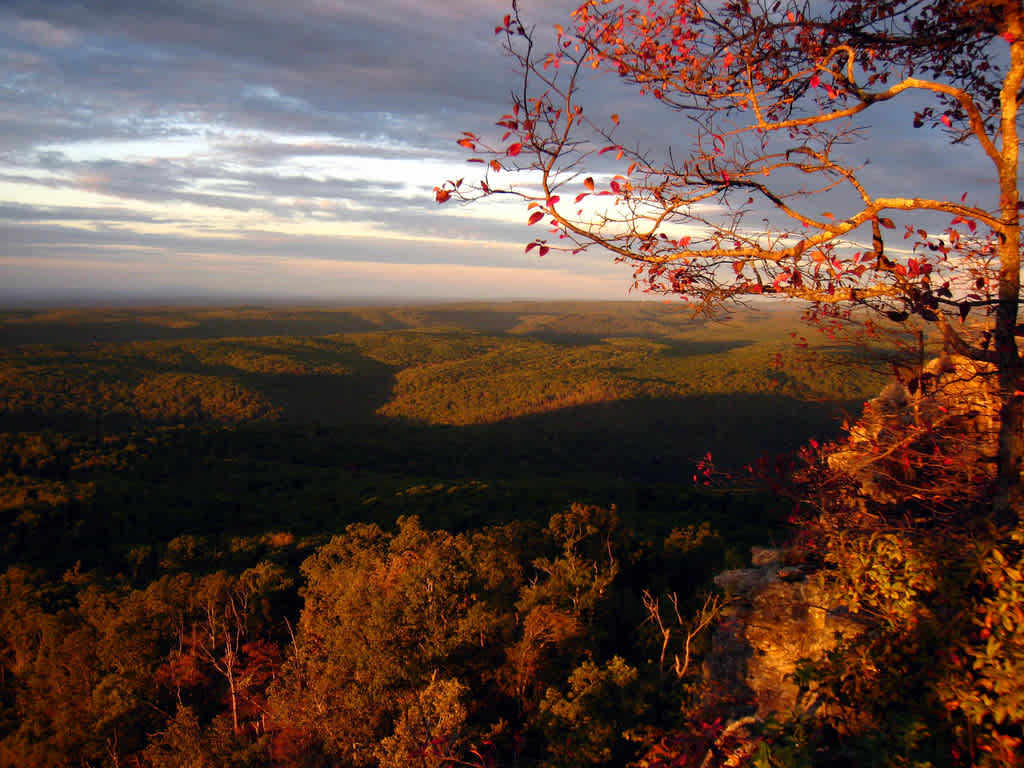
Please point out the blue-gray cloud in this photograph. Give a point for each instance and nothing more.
(279, 96)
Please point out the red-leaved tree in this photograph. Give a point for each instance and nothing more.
(762, 194)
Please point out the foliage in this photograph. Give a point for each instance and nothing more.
(934, 677)
(456, 426)
(769, 200)
(428, 729)
(410, 645)
(455, 375)
(381, 613)
(154, 610)
(384, 613)
(598, 706)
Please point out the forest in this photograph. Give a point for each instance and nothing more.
(385, 536)
(525, 535)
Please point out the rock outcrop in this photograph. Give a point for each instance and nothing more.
(951, 409)
(777, 616)
(779, 613)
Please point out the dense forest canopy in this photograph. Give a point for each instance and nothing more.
(217, 521)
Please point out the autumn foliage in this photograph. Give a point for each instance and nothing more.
(764, 190)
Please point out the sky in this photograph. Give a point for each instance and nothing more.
(198, 149)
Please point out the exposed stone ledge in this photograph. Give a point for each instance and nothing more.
(954, 402)
(777, 617)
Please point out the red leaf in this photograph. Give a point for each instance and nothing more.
(615, 119)
(531, 246)
(543, 250)
(552, 200)
(467, 143)
(1009, 37)
(887, 223)
(495, 166)
(441, 195)
(580, 196)
(610, 149)
(514, 149)
(589, 183)
(815, 81)
(535, 217)
(946, 121)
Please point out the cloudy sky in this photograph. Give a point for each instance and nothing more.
(262, 148)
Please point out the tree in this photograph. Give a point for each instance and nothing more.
(224, 635)
(383, 613)
(768, 199)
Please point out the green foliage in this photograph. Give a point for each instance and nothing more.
(935, 678)
(398, 627)
(984, 685)
(428, 731)
(160, 488)
(186, 743)
(586, 722)
(576, 580)
(382, 613)
(436, 374)
(179, 744)
(888, 574)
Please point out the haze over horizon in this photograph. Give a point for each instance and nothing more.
(232, 150)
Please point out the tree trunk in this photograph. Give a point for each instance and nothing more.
(1011, 411)
(1011, 422)
(1011, 448)
(233, 688)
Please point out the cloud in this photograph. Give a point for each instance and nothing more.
(61, 264)
(164, 136)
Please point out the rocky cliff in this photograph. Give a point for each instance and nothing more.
(943, 421)
(778, 614)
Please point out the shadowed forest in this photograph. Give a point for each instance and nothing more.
(375, 536)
